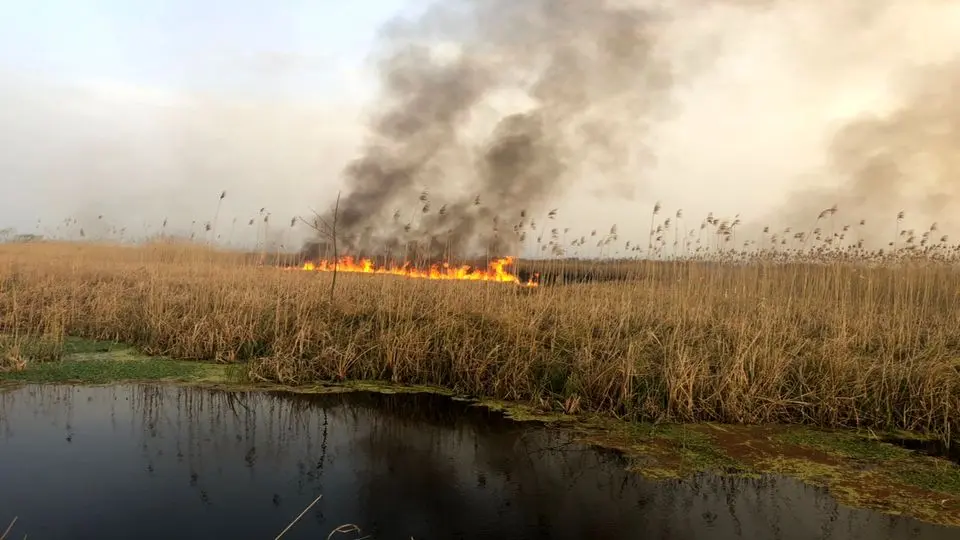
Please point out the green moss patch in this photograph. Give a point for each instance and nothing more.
(662, 450)
(100, 362)
(100, 371)
(871, 458)
(81, 346)
(388, 388)
(523, 413)
(846, 444)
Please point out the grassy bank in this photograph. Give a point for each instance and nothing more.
(833, 345)
(74, 360)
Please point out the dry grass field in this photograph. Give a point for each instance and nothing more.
(830, 340)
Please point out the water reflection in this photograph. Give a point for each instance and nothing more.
(166, 462)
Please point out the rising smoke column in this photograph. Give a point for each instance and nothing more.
(908, 159)
(905, 160)
(590, 82)
(593, 80)
(879, 80)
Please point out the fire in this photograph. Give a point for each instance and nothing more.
(496, 271)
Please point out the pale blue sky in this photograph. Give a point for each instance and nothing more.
(245, 46)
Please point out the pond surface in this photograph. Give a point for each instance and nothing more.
(162, 462)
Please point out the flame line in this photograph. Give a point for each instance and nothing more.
(445, 271)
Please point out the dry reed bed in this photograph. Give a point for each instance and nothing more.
(827, 344)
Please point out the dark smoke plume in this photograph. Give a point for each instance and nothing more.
(585, 80)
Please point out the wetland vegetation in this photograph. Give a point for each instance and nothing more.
(813, 343)
(801, 361)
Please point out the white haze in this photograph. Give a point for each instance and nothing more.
(759, 97)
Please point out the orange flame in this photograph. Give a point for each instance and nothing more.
(496, 271)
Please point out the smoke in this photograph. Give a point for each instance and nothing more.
(875, 164)
(552, 90)
(903, 163)
(493, 113)
(629, 97)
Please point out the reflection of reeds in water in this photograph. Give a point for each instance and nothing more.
(413, 451)
(49, 402)
(207, 425)
(200, 426)
(5, 533)
(415, 408)
(266, 423)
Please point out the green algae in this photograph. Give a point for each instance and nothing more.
(102, 362)
(520, 412)
(871, 456)
(858, 469)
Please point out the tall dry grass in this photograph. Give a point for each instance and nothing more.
(832, 344)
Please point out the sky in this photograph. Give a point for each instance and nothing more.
(102, 96)
(144, 111)
(216, 45)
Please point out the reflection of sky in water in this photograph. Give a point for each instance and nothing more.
(149, 462)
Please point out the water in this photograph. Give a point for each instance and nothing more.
(164, 462)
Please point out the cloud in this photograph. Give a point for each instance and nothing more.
(138, 155)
